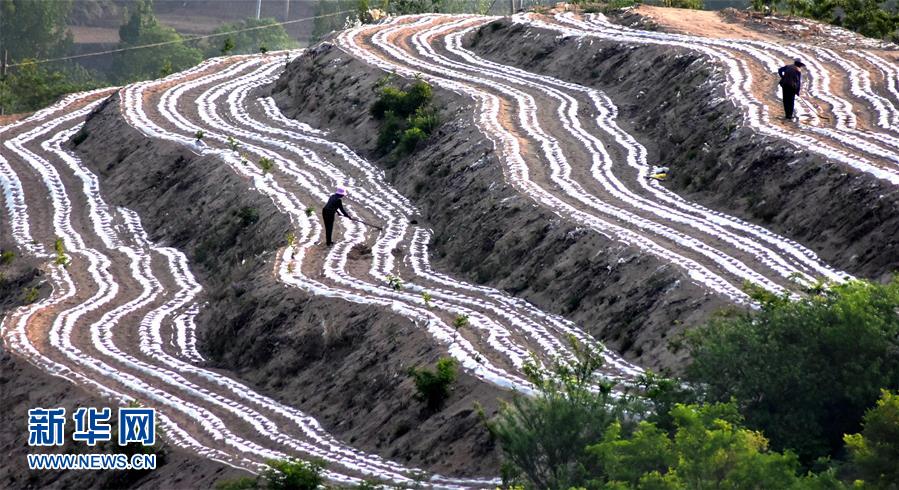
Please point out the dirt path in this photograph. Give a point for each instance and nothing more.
(705, 23)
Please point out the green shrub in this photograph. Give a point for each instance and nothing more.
(247, 216)
(684, 4)
(7, 257)
(390, 99)
(391, 130)
(659, 396)
(874, 453)
(241, 483)
(419, 95)
(293, 474)
(424, 119)
(252, 33)
(406, 116)
(709, 449)
(395, 282)
(228, 46)
(30, 295)
(80, 136)
(199, 134)
(266, 164)
(426, 297)
(545, 437)
(411, 138)
(803, 371)
(61, 258)
(370, 485)
(460, 321)
(433, 387)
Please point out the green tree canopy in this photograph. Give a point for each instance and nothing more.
(709, 449)
(803, 372)
(33, 29)
(869, 17)
(270, 34)
(875, 452)
(31, 86)
(545, 437)
(143, 28)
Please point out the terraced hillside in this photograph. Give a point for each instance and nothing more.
(196, 280)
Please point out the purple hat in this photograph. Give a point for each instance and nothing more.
(340, 191)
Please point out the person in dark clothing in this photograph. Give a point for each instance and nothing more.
(329, 212)
(790, 82)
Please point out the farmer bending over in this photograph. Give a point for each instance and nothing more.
(335, 204)
(790, 82)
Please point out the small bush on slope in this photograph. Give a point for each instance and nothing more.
(803, 372)
(406, 116)
(7, 257)
(433, 387)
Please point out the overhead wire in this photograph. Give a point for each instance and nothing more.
(185, 40)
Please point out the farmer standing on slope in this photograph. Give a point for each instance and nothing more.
(329, 212)
(790, 82)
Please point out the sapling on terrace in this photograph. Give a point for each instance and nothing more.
(310, 211)
(31, 295)
(199, 135)
(266, 164)
(263, 49)
(232, 143)
(461, 321)
(291, 238)
(394, 282)
(61, 258)
(426, 296)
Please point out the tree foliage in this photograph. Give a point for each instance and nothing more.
(803, 371)
(869, 17)
(684, 4)
(266, 32)
(709, 449)
(433, 386)
(293, 474)
(143, 28)
(872, 18)
(31, 86)
(545, 437)
(33, 29)
(406, 115)
(874, 453)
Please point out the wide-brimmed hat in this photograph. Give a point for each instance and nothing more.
(340, 191)
(798, 63)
